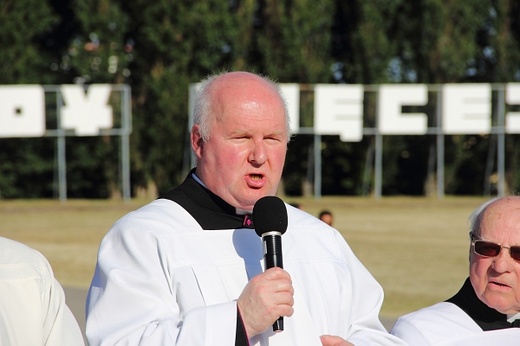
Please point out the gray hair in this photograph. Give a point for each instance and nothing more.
(475, 219)
(203, 104)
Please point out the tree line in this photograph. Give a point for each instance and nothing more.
(160, 47)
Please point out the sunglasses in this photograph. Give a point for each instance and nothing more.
(489, 249)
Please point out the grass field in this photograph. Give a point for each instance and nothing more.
(417, 248)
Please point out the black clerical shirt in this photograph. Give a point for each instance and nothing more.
(486, 317)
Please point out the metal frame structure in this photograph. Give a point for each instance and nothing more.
(124, 132)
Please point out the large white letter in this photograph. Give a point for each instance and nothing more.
(22, 111)
(513, 98)
(391, 119)
(291, 93)
(86, 113)
(466, 108)
(338, 109)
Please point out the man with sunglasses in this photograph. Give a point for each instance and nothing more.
(486, 310)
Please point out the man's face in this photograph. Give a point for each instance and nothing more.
(496, 280)
(243, 159)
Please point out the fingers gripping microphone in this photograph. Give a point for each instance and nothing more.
(270, 220)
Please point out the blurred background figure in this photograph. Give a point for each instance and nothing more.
(32, 302)
(326, 216)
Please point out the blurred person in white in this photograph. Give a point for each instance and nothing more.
(33, 311)
(187, 269)
(486, 310)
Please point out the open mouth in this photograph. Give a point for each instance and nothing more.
(256, 180)
(256, 176)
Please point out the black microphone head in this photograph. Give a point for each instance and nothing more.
(270, 214)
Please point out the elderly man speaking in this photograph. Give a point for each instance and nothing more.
(486, 310)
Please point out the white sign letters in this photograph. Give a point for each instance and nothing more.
(291, 94)
(392, 120)
(513, 98)
(338, 110)
(466, 108)
(22, 110)
(86, 113)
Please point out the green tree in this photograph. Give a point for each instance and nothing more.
(24, 166)
(290, 42)
(96, 51)
(23, 23)
(160, 48)
(362, 50)
(176, 43)
(362, 44)
(499, 62)
(437, 39)
(437, 42)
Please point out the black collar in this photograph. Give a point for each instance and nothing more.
(208, 209)
(486, 317)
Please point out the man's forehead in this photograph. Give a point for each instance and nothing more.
(502, 216)
(508, 205)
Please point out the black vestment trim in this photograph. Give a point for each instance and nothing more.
(241, 334)
(486, 317)
(208, 209)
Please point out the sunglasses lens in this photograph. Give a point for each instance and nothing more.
(515, 253)
(487, 249)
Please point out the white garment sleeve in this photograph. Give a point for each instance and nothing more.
(429, 328)
(60, 325)
(363, 303)
(408, 331)
(32, 302)
(435, 325)
(132, 299)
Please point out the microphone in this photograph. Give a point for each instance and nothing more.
(270, 220)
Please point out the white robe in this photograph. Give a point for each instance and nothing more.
(445, 324)
(32, 302)
(163, 280)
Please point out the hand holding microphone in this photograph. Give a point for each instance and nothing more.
(268, 295)
(270, 220)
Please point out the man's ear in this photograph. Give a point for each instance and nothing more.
(197, 142)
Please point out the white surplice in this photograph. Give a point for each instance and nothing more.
(163, 280)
